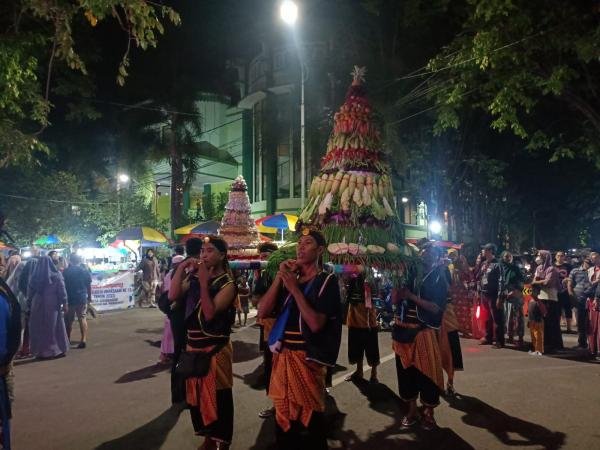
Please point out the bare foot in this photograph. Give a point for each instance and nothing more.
(353, 376)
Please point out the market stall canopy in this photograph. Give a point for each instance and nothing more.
(443, 244)
(49, 239)
(210, 227)
(276, 222)
(148, 236)
(4, 246)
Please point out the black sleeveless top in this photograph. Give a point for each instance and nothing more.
(202, 333)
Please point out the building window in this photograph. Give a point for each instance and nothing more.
(258, 152)
(283, 170)
(422, 214)
(280, 60)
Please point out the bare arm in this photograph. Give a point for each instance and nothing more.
(314, 319)
(175, 290)
(211, 307)
(545, 281)
(570, 286)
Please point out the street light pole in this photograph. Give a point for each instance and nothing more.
(118, 204)
(302, 139)
(122, 178)
(288, 12)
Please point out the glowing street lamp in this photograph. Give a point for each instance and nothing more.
(404, 199)
(122, 178)
(435, 227)
(288, 11)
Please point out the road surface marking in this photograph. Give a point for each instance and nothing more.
(341, 378)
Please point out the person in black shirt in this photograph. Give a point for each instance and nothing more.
(418, 359)
(183, 293)
(261, 283)
(306, 340)
(564, 299)
(77, 282)
(210, 397)
(491, 287)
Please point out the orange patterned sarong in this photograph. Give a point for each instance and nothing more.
(202, 392)
(297, 387)
(449, 324)
(267, 324)
(359, 316)
(424, 354)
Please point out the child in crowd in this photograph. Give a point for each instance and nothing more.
(537, 311)
(244, 297)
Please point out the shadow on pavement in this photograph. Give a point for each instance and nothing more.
(582, 356)
(266, 436)
(153, 343)
(384, 400)
(150, 330)
(150, 436)
(501, 425)
(338, 368)
(37, 359)
(381, 398)
(22, 362)
(244, 351)
(254, 379)
(143, 373)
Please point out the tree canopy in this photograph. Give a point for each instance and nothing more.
(39, 39)
(532, 66)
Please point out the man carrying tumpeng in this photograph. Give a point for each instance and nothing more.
(305, 340)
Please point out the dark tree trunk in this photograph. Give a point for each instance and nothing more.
(176, 181)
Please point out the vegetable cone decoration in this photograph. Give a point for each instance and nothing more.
(237, 227)
(352, 200)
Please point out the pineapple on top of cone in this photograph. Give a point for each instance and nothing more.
(237, 227)
(352, 199)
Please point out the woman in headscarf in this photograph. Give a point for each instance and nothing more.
(462, 300)
(13, 284)
(547, 278)
(210, 397)
(47, 331)
(513, 279)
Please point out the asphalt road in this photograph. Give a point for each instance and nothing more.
(113, 396)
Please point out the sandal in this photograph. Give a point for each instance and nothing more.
(266, 413)
(450, 390)
(407, 422)
(427, 421)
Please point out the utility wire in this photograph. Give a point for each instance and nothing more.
(416, 73)
(52, 200)
(425, 110)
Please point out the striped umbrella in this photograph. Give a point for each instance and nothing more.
(148, 236)
(277, 222)
(4, 246)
